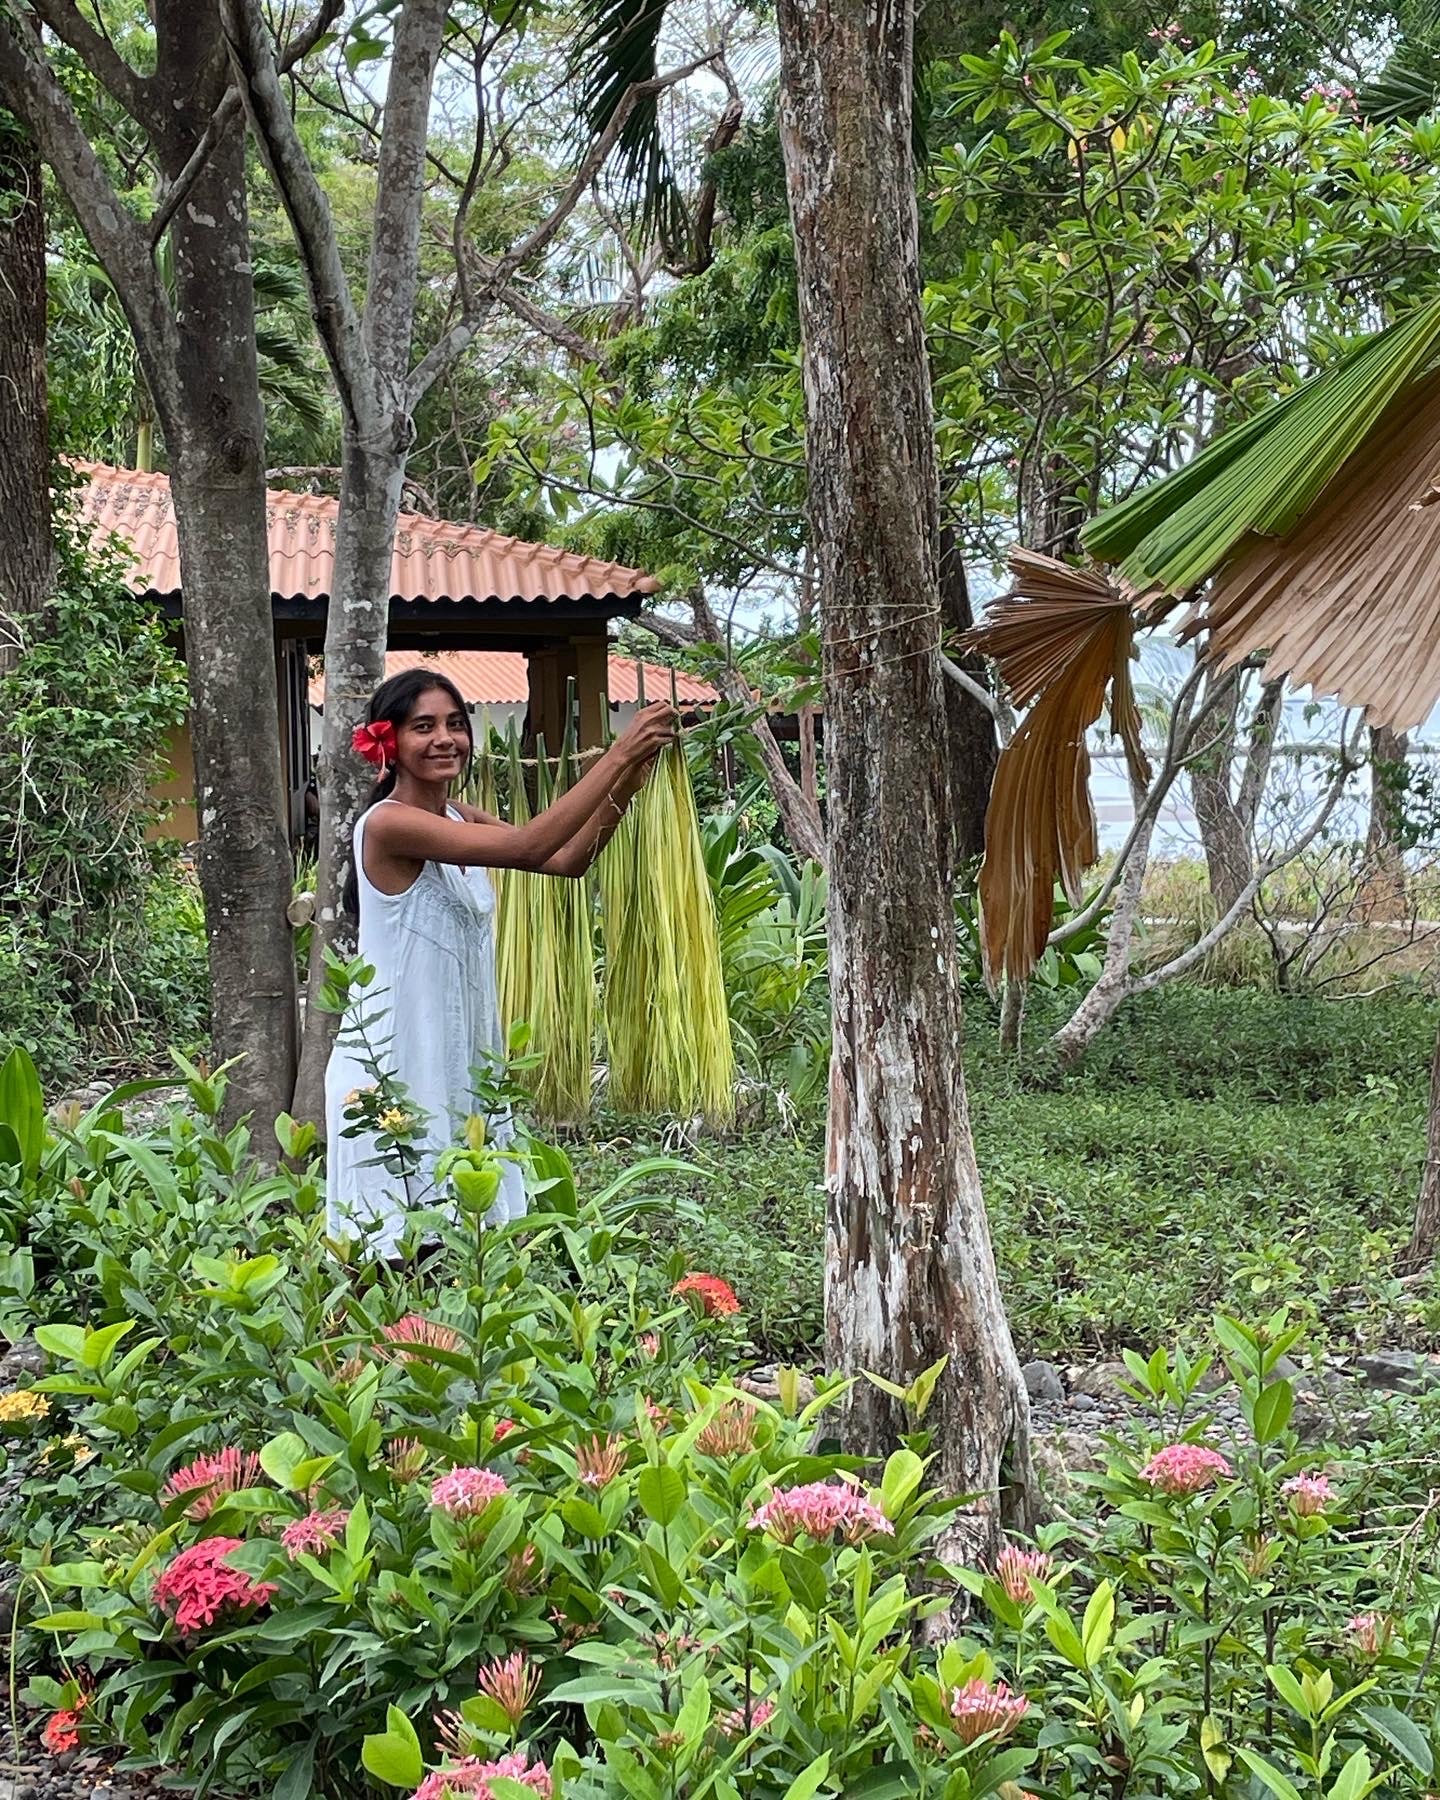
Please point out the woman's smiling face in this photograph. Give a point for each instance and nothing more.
(434, 742)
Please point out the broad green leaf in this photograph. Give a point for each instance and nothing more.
(1353, 1781)
(1289, 1689)
(1403, 1734)
(280, 1456)
(1098, 1623)
(67, 1341)
(1272, 1411)
(1276, 1782)
(394, 1756)
(22, 1107)
(808, 1781)
(904, 1472)
(661, 1493)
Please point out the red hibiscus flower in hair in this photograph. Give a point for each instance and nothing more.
(376, 743)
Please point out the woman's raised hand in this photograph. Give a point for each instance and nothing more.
(647, 734)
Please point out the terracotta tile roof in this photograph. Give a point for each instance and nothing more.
(433, 559)
(500, 678)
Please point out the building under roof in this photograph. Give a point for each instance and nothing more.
(499, 679)
(454, 587)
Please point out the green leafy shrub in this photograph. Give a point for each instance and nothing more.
(87, 708)
(293, 1526)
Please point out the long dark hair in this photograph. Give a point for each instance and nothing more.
(395, 699)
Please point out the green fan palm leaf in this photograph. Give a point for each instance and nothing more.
(1264, 476)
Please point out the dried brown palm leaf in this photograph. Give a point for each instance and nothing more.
(1346, 603)
(1062, 637)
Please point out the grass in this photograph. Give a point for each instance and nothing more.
(1218, 1149)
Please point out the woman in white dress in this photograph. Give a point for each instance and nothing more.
(426, 908)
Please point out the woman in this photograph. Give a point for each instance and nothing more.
(425, 905)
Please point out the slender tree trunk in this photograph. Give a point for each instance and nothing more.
(356, 631)
(974, 743)
(25, 548)
(1222, 830)
(1385, 895)
(1426, 1232)
(910, 1273)
(216, 442)
(1108, 994)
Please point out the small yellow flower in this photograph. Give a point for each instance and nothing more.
(73, 1447)
(22, 1407)
(396, 1121)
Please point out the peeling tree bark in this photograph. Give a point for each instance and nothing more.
(25, 548)
(910, 1274)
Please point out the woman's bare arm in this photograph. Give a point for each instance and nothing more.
(577, 857)
(410, 832)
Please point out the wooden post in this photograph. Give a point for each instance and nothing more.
(592, 679)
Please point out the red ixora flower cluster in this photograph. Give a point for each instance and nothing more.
(473, 1777)
(376, 743)
(198, 1585)
(62, 1728)
(210, 1478)
(817, 1509)
(1181, 1469)
(717, 1298)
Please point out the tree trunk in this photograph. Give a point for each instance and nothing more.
(1222, 830)
(216, 440)
(974, 744)
(1384, 895)
(356, 630)
(910, 1273)
(1108, 994)
(25, 548)
(1426, 1232)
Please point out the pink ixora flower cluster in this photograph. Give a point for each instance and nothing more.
(734, 1724)
(1181, 1469)
(209, 1479)
(473, 1777)
(464, 1492)
(199, 1586)
(512, 1683)
(417, 1332)
(980, 1707)
(1368, 1634)
(315, 1534)
(1308, 1494)
(1018, 1570)
(818, 1509)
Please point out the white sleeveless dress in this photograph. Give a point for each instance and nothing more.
(436, 1011)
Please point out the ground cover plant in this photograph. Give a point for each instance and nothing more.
(508, 1524)
(1216, 1149)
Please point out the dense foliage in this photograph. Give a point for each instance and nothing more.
(88, 707)
(509, 1524)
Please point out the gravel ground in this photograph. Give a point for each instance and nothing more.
(82, 1775)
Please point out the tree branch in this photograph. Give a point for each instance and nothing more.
(969, 685)
(442, 356)
(299, 46)
(257, 74)
(100, 57)
(29, 89)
